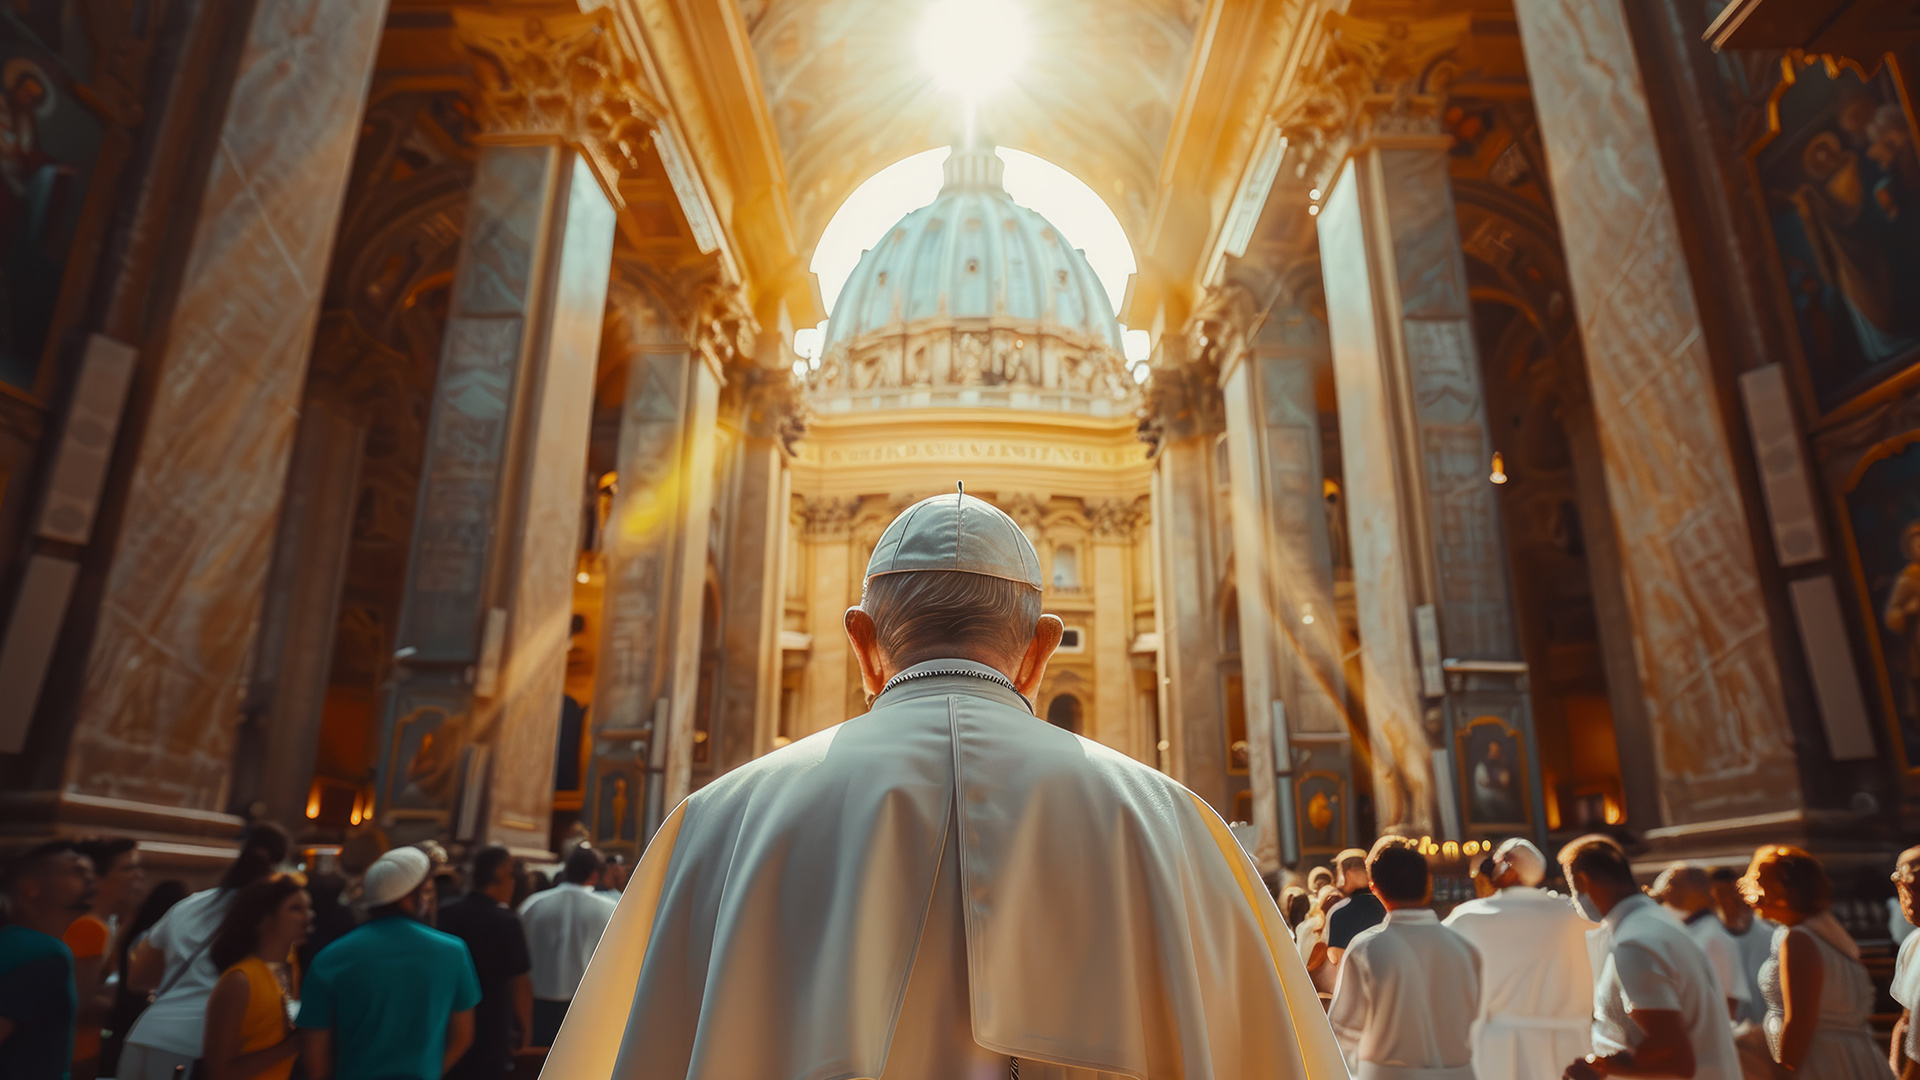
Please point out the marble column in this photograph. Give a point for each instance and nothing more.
(752, 581)
(834, 585)
(1714, 701)
(1433, 600)
(157, 711)
(488, 600)
(656, 571)
(1114, 523)
(1193, 717)
(1283, 562)
(277, 743)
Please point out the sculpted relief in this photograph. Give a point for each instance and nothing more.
(984, 360)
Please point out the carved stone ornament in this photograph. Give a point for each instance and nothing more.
(1116, 519)
(830, 517)
(1182, 396)
(723, 325)
(1372, 78)
(1025, 509)
(561, 75)
(1221, 325)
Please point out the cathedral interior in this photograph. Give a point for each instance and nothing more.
(407, 425)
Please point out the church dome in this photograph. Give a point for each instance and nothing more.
(973, 299)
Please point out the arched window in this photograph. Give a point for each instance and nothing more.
(1066, 567)
(1064, 712)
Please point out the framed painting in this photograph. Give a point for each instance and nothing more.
(49, 144)
(1492, 762)
(1320, 811)
(1880, 504)
(1841, 182)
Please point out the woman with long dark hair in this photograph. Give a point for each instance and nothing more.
(173, 963)
(127, 1005)
(249, 1032)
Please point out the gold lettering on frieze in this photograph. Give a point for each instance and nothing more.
(976, 450)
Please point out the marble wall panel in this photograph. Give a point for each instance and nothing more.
(690, 570)
(162, 684)
(552, 488)
(753, 576)
(1703, 650)
(1402, 764)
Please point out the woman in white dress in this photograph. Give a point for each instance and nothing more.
(1817, 991)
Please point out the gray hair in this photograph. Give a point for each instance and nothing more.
(922, 615)
(1526, 860)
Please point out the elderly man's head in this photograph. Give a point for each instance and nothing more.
(953, 578)
(1685, 889)
(1518, 862)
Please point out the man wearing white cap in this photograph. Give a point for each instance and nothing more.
(1536, 981)
(393, 999)
(946, 888)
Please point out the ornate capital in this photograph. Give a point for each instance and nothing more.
(1025, 509)
(1222, 325)
(1183, 396)
(1115, 520)
(830, 518)
(723, 325)
(563, 75)
(1372, 78)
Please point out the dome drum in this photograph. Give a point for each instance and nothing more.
(973, 300)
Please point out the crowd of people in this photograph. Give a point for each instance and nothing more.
(1714, 975)
(415, 969)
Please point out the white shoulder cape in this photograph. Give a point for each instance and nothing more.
(1112, 922)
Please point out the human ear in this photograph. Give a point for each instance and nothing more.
(1033, 665)
(865, 638)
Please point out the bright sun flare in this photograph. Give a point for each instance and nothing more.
(973, 47)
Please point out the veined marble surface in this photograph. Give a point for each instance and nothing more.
(1700, 623)
(163, 682)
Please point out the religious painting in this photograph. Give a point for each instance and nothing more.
(422, 773)
(1493, 774)
(1883, 520)
(49, 142)
(1842, 186)
(1320, 811)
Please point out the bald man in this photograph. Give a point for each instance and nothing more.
(1687, 892)
(1536, 983)
(946, 888)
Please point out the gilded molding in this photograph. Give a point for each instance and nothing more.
(1116, 520)
(829, 517)
(565, 76)
(1372, 78)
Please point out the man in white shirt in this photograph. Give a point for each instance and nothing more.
(1752, 939)
(1904, 1053)
(1536, 984)
(1409, 988)
(564, 925)
(1658, 1007)
(1687, 893)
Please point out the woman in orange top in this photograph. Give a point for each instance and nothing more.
(249, 1031)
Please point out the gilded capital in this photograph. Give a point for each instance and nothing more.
(1222, 324)
(561, 75)
(1372, 78)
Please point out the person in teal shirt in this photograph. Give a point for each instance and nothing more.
(48, 887)
(393, 999)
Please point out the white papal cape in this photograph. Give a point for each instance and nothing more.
(1085, 913)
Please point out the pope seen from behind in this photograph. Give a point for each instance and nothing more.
(946, 888)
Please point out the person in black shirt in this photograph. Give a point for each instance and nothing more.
(504, 1018)
(1360, 910)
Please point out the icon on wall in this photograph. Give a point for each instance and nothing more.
(1493, 774)
(1882, 524)
(1842, 186)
